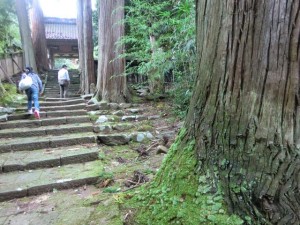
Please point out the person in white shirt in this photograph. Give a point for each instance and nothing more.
(63, 81)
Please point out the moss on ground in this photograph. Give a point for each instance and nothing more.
(11, 98)
(178, 195)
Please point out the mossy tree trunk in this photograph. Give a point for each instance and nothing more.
(244, 112)
(111, 82)
(39, 37)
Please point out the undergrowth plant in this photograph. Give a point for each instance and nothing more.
(160, 44)
(10, 97)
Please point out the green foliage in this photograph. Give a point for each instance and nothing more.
(106, 175)
(181, 93)
(10, 38)
(59, 62)
(172, 25)
(111, 189)
(11, 98)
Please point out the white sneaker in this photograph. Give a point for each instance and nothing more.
(30, 111)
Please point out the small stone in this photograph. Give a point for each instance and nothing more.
(3, 118)
(140, 137)
(102, 119)
(161, 150)
(155, 117)
(135, 110)
(114, 106)
(140, 118)
(125, 105)
(119, 113)
(128, 118)
(103, 106)
(149, 135)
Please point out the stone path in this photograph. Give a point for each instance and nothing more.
(73, 145)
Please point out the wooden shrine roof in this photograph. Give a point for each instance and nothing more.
(60, 28)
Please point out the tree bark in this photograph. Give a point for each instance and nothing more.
(88, 45)
(39, 37)
(244, 112)
(111, 82)
(85, 43)
(79, 23)
(27, 46)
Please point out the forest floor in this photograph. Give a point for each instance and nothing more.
(125, 167)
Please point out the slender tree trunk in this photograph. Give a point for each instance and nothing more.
(85, 44)
(111, 82)
(80, 44)
(88, 45)
(27, 46)
(39, 37)
(244, 113)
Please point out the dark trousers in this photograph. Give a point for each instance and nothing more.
(63, 90)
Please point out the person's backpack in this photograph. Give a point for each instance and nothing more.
(25, 83)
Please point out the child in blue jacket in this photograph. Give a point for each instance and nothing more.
(33, 92)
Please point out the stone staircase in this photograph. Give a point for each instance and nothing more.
(60, 150)
(52, 87)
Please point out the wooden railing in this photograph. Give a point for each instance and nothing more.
(10, 64)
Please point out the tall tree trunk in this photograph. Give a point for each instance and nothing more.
(88, 45)
(244, 113)
(111, 82)
(27, 46)
(79, 23)
(39, 37)
(85, 44)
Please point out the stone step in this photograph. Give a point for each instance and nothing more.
(127, 118)
(63, 107)
(56, 90)
(58, 99)
(44, 122)
(114, 139)
(47, 130)
(59, 102)
(70, 95)
(27, 183)
(29, 160)
(56, 86)
(47, 114)
(35, 143)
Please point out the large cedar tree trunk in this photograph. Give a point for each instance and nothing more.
(27, 46)
(39, 37)
(85, 44)
(244, 112)
(111, 82)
